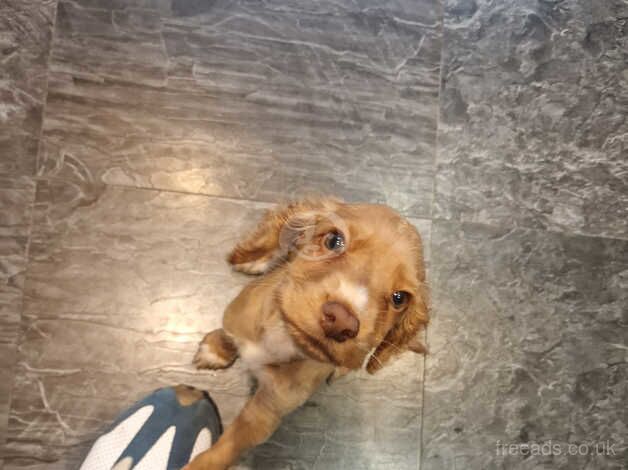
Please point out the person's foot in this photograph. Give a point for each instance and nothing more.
(164, 431)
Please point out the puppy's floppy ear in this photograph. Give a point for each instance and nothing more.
(404, 335)
(271, 242)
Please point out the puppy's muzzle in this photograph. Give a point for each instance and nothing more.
(338, 322)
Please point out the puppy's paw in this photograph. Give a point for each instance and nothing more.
(205, 358)
(216, 351)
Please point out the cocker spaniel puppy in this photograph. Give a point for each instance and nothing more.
(342, 287)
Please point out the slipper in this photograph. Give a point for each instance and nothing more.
(164, 431)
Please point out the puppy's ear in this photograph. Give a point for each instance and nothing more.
(272, 241)
(415, 345)
(404, 335)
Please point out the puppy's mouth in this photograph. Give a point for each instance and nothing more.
(310, 345)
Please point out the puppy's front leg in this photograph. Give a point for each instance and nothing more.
(282, 388)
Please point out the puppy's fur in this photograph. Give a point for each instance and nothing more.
(274, 324)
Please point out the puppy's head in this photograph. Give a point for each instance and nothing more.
(351, 281)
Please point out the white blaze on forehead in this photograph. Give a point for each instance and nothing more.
(356, 295)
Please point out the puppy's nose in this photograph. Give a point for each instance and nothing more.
(338, 322)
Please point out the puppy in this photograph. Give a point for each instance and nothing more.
(342, 286)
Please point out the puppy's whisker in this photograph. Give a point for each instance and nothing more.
(393, 345)
(368, 353)
(373, 356)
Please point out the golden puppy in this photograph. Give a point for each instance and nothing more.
(343, 285)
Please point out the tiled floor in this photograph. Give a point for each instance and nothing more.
(138, 138)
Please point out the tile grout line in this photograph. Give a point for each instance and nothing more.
(188, 193)
(224, 197)
(431, 218)
(46, 88)
(424, 372)
(409, 216)
(531, 229)
(29, 233)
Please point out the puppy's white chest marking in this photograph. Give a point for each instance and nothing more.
(275, 346)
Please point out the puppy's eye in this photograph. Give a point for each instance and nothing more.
(334, 241)
(399, 298)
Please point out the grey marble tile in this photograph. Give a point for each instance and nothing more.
(528, 346)
(424, 226)
(247, 99)
(361, 421)
(108, 42)
(25, 35)
(162, 6)
(16, 199)
(122, 284)
(533, 110)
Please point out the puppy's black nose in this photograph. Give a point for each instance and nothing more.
(338, 322)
